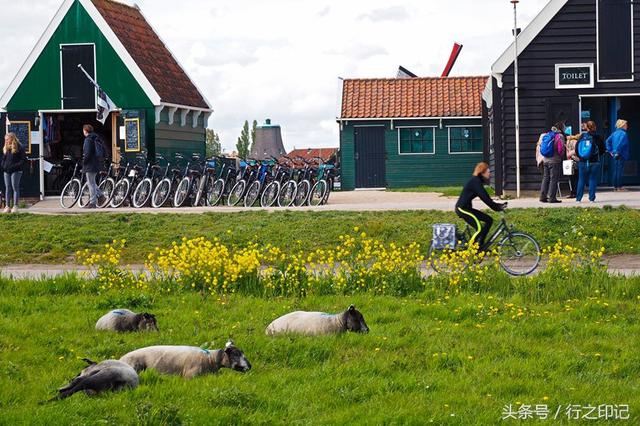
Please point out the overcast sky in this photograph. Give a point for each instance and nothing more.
(281, 59)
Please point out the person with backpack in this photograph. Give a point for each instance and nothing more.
(618, 147)
(13, 159)
(93, 154)
(589, 149)
(552, 148)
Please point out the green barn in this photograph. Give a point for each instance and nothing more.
(159, 109)
(406, 132)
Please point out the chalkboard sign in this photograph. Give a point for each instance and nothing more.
(132, 135)
(22, 129)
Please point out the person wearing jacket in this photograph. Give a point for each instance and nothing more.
(91, 164)
(589, 168)
(571, 151)
(13, 159)
(618, 147)
(553, 167)
(464, 208)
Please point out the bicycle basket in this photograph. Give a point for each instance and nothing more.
(444, 236)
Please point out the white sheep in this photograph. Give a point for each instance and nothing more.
(317, 323)
(98, 377)
(126, 320)
(187, 361)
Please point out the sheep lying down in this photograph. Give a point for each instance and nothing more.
(317, 323)
(98, 377)
(187, 361)
(125, 320)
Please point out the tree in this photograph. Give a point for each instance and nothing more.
(213, 147)
(253, 134)
(242, 146)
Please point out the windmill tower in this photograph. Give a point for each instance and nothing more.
(268, 142)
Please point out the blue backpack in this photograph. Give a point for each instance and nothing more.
(586, 147)
(547, 148)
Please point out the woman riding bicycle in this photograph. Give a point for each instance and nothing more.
(475, 218)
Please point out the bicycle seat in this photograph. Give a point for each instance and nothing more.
(156, 167)
(195, 172)
(176, 171)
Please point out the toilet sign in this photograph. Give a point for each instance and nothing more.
(574, 76)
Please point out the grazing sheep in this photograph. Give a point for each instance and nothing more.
(125, 320)
(187, 361)
(316, 323)
(98, 377)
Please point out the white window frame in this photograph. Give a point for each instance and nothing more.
(433, 129)
(95, 73)
(449, 139)
(591, 84)
(600, 80)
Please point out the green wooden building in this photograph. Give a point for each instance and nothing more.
(406, 132)
(159, 108)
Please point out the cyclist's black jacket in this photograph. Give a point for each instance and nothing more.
(475, 188)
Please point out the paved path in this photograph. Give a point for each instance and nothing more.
(367, 201)
(628, 265)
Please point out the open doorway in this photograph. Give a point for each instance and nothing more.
(605, 111)
(63, 141)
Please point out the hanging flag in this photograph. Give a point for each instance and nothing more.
(105, 104)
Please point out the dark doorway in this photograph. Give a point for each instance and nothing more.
(77, 91)
(370, 156)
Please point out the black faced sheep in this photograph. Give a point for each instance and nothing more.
(125, 320)
(187, 361)
(98, 377)
(317, 323)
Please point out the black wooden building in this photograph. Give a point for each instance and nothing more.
(577, 61)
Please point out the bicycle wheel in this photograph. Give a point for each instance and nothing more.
(142, 193)
(201, 185)
(215, 195)
(270, 194)
(317, 193)
(120, 193)
(70, 194)
(328, 192)
(107, 187)
(182, 192)
(85, 196)
(236, 193)
(303, 193)
(519, 254)
(252, 194)
(161, 193)
(287, 193)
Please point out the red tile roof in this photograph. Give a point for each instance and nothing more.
(413, 97)
(154, 59)
(325, 153)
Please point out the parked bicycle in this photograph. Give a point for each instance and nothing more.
(518, 252)
(72, 190)
(165, 189)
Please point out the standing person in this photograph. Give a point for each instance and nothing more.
(571, 147)
(552, 149)
(91, 164)
(464, 208)
(590, 149)
(13, 158)
(618, 147)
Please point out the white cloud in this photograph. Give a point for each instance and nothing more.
(282, 59)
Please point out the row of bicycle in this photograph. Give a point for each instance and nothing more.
(283, 182)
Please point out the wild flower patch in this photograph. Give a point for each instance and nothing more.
(357, 264)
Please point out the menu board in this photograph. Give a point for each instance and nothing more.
(22, 129)
(132, 135)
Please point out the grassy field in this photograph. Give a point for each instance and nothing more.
(430, 358)
(52, 239)
(444, 191)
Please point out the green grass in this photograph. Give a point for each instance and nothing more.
(444, 191)
(52, 239)
(427, 358)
